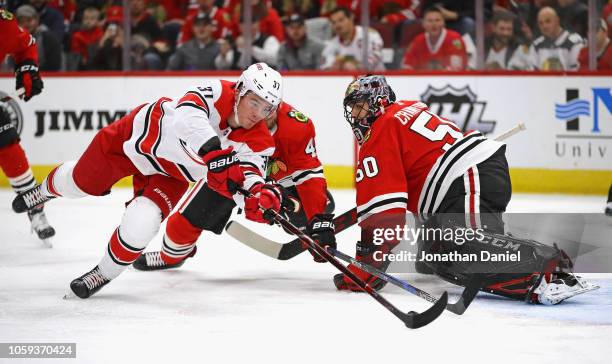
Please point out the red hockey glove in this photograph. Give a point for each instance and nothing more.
(264, 195)
(224, 173)
(321, 228)
(28, 78)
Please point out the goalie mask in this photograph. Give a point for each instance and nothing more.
(365, 100)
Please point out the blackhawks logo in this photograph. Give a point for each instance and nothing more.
(294, 114)
(5, 15)
(275, 166)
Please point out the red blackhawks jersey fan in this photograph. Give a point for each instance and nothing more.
(411, 160)
(213, 132)
(298, 179)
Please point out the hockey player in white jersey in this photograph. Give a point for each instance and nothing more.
(213, 132)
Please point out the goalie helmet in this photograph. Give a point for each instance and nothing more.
(365, 100)
(263, 81)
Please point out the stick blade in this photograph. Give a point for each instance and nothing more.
(415, 320)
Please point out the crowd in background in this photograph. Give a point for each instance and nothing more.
(76, 35)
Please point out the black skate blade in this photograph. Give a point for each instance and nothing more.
(414, 320)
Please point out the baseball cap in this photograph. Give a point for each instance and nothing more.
(26, 11)
(202, 18)
(295, 19)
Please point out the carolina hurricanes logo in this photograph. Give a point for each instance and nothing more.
(14, 112)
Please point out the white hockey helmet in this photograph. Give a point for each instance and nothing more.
(262, 80)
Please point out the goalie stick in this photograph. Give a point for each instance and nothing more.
(266, 246)
(411, 319)
(349, 218)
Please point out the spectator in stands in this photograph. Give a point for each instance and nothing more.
(298, 51)
(146, 42)
(396, 12)
(108, 56)
(306, 8)
(269, 20)
(556, 49)
(221, 21)
(200, 52)
(574, 16)
(437, 48)
(459, 15)
(52, 18)
(345, 50)
(603, 48)
(502, 49)
(85, 40)
(49, 47)
(142, 22)
(264, 49)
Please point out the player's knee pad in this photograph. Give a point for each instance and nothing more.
(8, 132)
(60, 182)
(140, 222)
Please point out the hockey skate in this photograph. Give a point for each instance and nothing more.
(41, 226)
(89, 283)
(609, 209)
(29, 199)
(153, 261)
(561, 287)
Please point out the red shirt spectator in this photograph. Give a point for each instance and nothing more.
(67, 7)
(175, 9)
(437, 48)
(269, 21)
(221, 21)
(604, 49)
(448, 53)
(89, 34)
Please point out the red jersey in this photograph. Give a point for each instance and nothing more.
(604, 60)
(82, 39)
(15, 41)
(410, 157)
(270, 24)
(221, 22)
(295, 161)
(448, 53)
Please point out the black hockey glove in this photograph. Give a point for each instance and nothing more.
(28, 78)
(321, 228)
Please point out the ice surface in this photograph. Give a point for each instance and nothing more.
(230, 304)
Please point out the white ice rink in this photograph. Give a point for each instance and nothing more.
(230, 304)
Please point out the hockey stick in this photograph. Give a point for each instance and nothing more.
(18, 94)
(266, 246)
(349, 218)
(411, 319)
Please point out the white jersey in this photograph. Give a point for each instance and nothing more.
(335, 48)
(560, 54)
(518, 60)
(167, 134)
